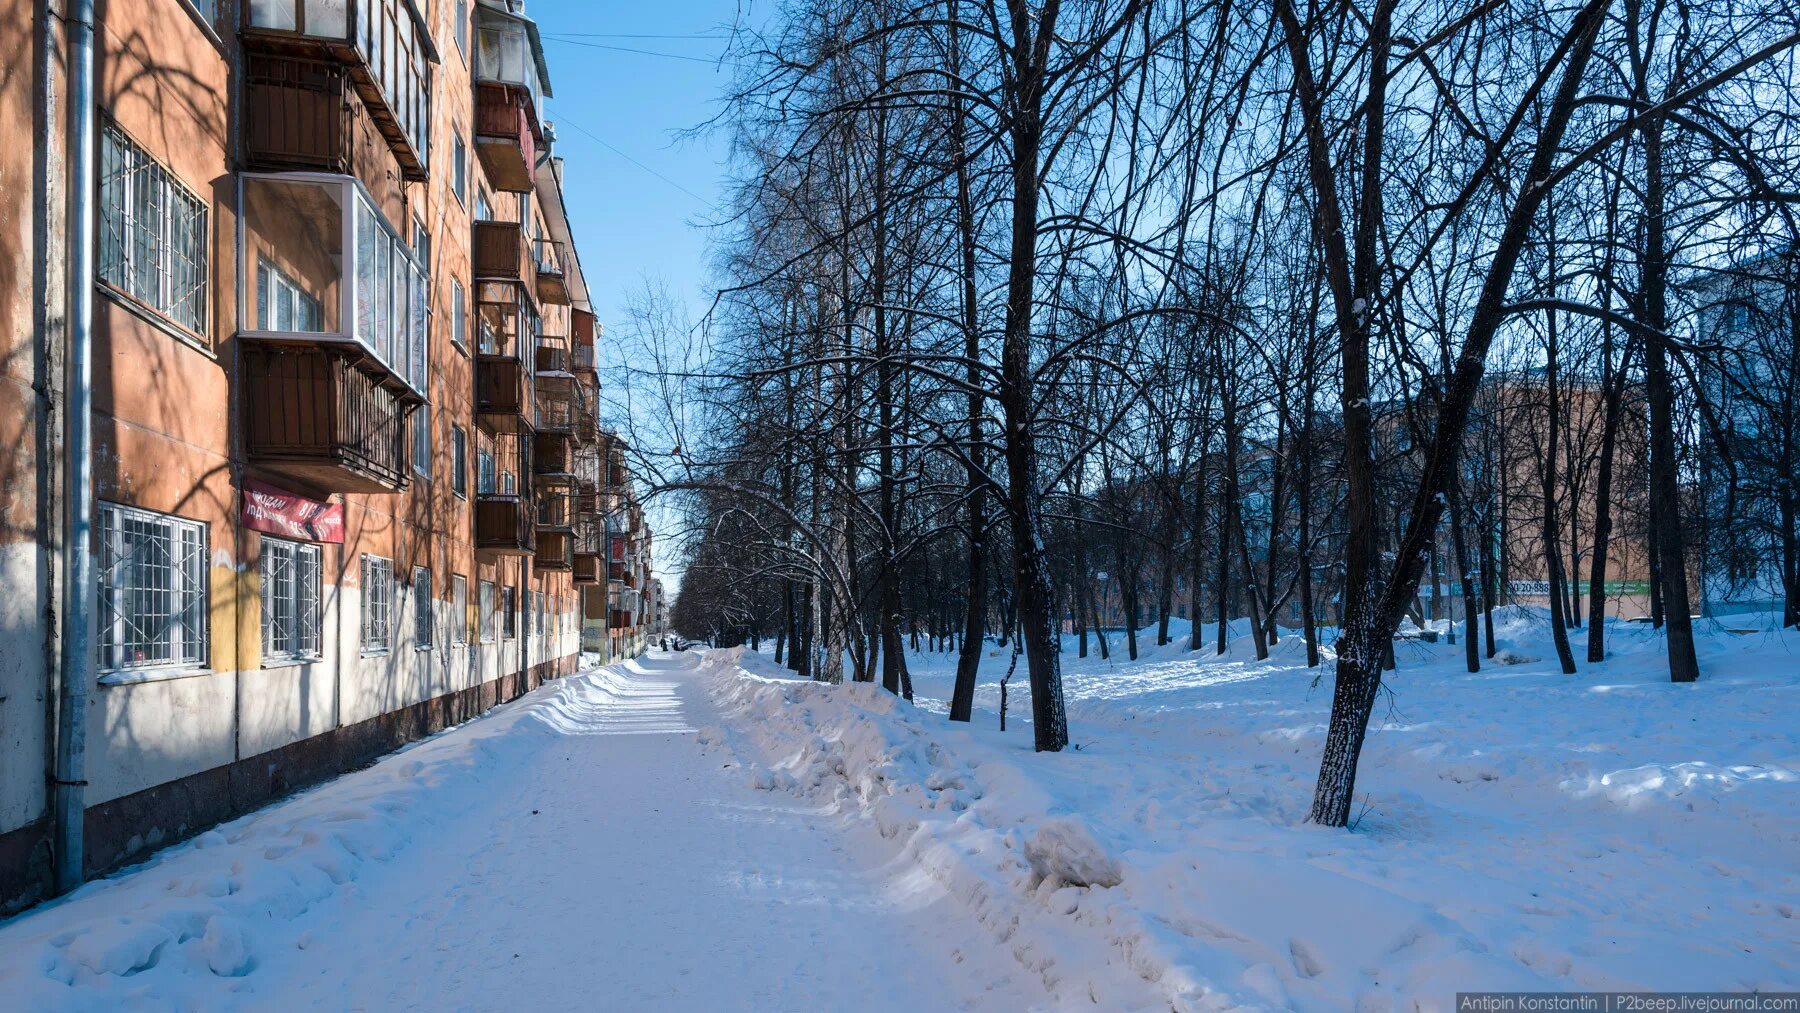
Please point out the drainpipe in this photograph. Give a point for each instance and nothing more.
(79, 585)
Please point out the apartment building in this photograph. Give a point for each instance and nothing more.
(346, 473)
(616, 618)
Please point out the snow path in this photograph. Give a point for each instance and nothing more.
(622, 866)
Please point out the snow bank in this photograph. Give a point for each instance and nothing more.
(1517, 828)
(162, 935)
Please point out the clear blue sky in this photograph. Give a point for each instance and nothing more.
(628, 77)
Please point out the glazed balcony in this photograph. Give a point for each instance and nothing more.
(552, 284)
(511, 82)
(322, 268)
(384, 49)
(312, 415)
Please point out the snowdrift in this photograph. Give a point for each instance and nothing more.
(1518, 829)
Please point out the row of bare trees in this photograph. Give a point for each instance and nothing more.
(1300, 319)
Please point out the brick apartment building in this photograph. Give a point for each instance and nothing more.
(347, 482)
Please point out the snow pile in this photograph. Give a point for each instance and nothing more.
(164, 934)
(1517, 828)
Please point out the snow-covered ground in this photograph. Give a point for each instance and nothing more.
(577, 849)
(1518, 829)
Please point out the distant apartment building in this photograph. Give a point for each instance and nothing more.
(348, 482)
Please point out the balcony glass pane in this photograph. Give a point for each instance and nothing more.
(278, 15)
(328, 17)
(297, 260)
(293, 252)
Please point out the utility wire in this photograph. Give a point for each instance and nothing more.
(641, 52)
(596, 138)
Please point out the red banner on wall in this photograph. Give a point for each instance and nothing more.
(267, 508)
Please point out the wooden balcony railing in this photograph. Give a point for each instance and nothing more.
(555, 550)
(504, 525)
(506, 136)
(552, 284)
(502, 394)
(499, 251)
(311, 414)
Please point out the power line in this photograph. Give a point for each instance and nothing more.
(641, 52)
(714, 35)
(561, 119)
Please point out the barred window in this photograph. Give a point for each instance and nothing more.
(486, 605)
(152, 589)
(377, 603)
(423, 619)
(153, 233)
(459, 610)
(509, 616)
(290, 600)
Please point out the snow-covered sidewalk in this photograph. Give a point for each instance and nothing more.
(577, 849)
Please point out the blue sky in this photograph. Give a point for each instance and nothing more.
(614, 103)
(627, 79)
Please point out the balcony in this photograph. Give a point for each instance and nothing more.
(588, 567)
(507, 138)
(510, 84)
(322, 268)
(500, 252)
(384, 48)
(503, 525)
(310, 414)
(555, 551)
(553, 456)
(553, 355)
(501, 393)
(552, 285)
(300, 114)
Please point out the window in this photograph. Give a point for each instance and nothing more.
(290, 600)
(485, 472)
(484, 211)
(509, 616)
(459, 316)
(421, 445)
(281, 304)
(486, 605)
(537, 606)
(459, 459)
(423, 620)
(153, 234)
(462, 26)
(459, 610)
(459, 172)
(377, 604)
(152, 589)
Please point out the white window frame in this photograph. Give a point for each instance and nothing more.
(273, 287)
(424, 614)
(485, 603)
(183, 623)
(459, 316)
(377, 605)
(304, 563)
